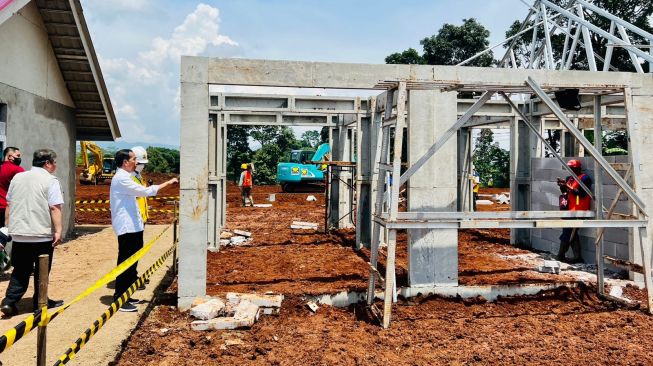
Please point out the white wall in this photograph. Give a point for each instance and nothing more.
(27, 61)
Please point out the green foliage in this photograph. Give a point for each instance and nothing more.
(452, 45)
(238, 150)
(276, 144)
(409, 56)
(162, 160)
(265, 162)
(491, 162)
(636, 12)
(310, 139)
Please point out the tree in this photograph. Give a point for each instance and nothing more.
(265, 162)
(409, 56)
(636, 12)
(310, 139)
(238, 150)
(452, 45)
(492, 163)
(162, 160)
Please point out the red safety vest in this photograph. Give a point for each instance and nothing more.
(578, 203)
(247, 179)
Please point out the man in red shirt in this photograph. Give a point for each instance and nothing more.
(9, 167)
(574, 198)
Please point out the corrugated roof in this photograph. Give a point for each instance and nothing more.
(73, 48)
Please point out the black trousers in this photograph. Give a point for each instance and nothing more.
(128, 244)
(25, 259)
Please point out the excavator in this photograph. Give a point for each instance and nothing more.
(302, 169)
(102, 168)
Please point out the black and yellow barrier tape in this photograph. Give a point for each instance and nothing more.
(111, 310)
(27, 325)
(102, 209)
(90, 202)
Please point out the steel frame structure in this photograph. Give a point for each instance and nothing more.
(388, 216)
(571, 22)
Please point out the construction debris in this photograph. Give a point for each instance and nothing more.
(311, 198)
(272, 197)
(484, 202)
(303, 225)
(208, 310)
(226, 235)
(549, 267)
(246, 234)
(241, 311)
(263, 205)
(503, 199)
(312, 306)
(238, 240)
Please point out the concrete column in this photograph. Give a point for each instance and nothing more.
(432, 254)
(527, 145)
(194, 183)
(640, 127)
(341, 180)
(364, 178)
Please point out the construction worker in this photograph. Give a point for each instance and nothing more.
(245, 183)
(573, 198)
(476, 184)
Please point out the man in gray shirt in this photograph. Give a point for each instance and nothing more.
(34, 219)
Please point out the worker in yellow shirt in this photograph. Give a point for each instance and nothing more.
(476, 183)
(141, 160)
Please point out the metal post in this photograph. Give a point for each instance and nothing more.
(41, 342)
(598, 193)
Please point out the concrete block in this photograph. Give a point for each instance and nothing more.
(246, 234)
(541, 244)
(208, 310)
(303, 225)
(610, 248)
(617, 235)
(267, 300)
(622, 252)
(245, 315)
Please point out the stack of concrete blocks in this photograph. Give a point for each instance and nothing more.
(544, 197)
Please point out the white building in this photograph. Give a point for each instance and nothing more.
(52, 92)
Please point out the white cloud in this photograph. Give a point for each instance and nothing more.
(199, 30)
(144, 88)
(125, 111)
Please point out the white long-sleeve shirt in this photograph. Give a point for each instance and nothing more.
(125, 217)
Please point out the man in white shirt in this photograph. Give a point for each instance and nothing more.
(34, 218)
(126, 218)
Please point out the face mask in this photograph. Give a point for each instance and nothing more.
(17, 161)
(140, 167)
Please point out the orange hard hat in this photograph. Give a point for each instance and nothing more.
(574, 164)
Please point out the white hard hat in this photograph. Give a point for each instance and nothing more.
(141, 154)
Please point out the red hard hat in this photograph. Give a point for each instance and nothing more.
(573, 164)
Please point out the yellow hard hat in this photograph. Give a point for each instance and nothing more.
(243, 166)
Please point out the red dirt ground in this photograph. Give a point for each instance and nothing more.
(565, 326)
(101, 192)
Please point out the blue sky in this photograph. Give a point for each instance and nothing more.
(139, 42)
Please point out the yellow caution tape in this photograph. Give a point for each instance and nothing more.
(26, 326)
(102, 209)
(90, 202)
(111, 310)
